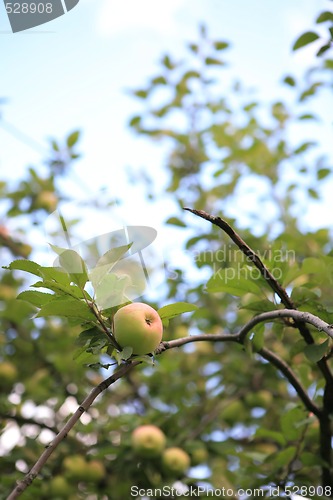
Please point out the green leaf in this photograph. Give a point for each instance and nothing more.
(18, 311)
(285, 456)
(110, 291)
(259, 306)
(316, 352)
(325, 16)
(142, 94)
(24, 265)
(67, 307)
(275, 436)
(38, 299)
(73, 138)
(176, 222)
(212, 61)
(233, 281)
(305, 39)
(172, 310)
(159, 80)
(73, 263)
(55, 274)
(221, 45)
(291, 422)
(90, 335)
(258, 338)
(105, 264)
(135, 120)
(324, 48)
(60, 289)
(289, 80)
(323, 172)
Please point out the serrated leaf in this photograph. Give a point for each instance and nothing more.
(55, 274)
(67, 307)
(24, 265)
(73, 138)
(315, 352)
(172, 310)
(305, 39)
(36, 298)
(59, 288)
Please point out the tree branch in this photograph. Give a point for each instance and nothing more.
(32, 474)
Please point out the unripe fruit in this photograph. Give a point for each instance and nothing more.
(139, 326)
(148, 441)
(8, 375)
(75, 467)
(95, 471)
(47, 200)
(175, 461)
(59, 487)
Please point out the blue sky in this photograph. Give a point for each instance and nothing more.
(72, 73)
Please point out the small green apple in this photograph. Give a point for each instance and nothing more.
(75, 467)
(47, 200)
(8, 375)
(148, 441)
(175, 461)
(59, 487)
(139, 326)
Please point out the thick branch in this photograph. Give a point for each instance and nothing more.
(273, 283)
(32, 474)
(292, 379)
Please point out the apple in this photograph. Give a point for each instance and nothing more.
(8, 375)
(47, 200)
(198, 452)
(59, 487)
(175, 461)
(95, 471)
(75, 467)
(148, 441)
(139, 326)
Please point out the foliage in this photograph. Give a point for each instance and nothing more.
(251, 410)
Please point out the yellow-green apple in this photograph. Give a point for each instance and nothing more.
(139, 326)
(47, 200)
(95, 471)
(59, 487)
(148, 441)
(175, 461)
(8, 375)
(75, 467)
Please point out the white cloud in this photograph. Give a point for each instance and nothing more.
(115, 17)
